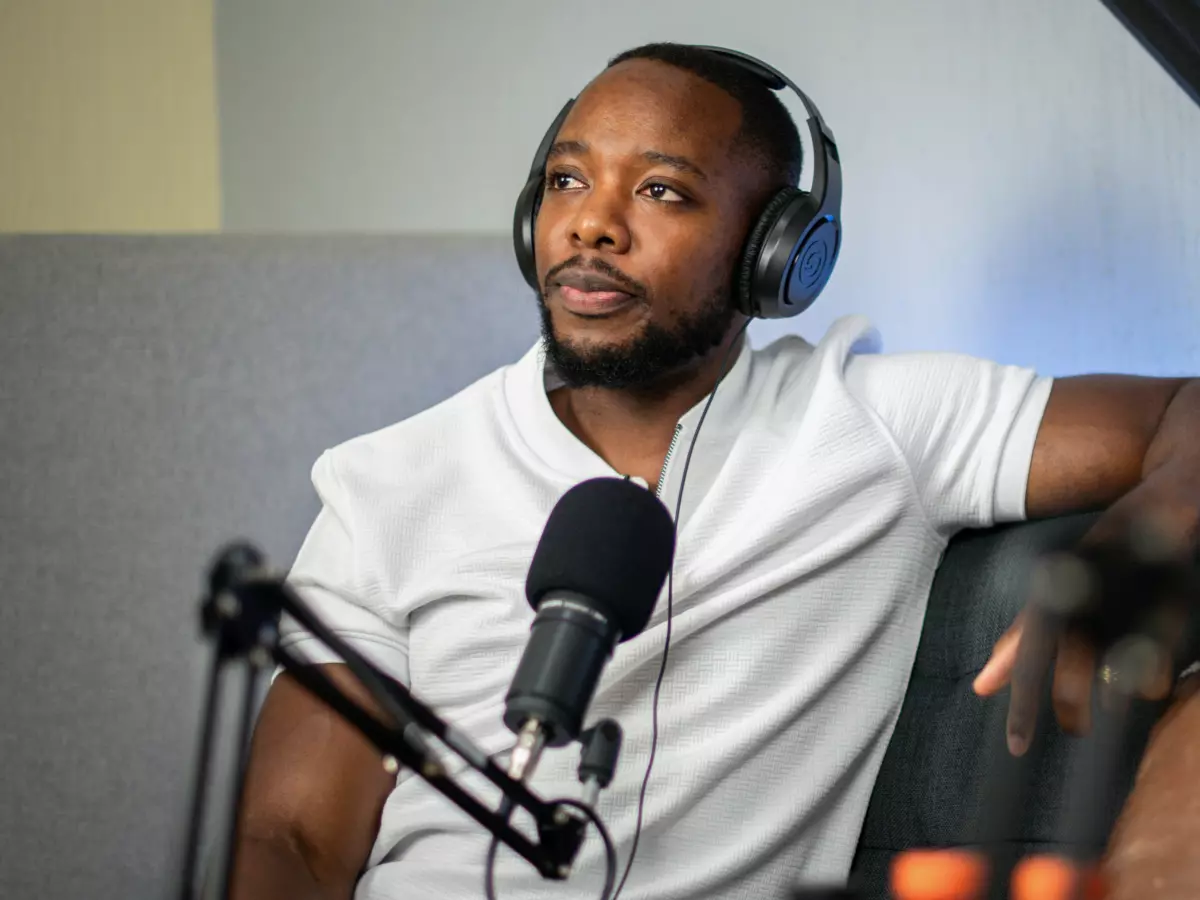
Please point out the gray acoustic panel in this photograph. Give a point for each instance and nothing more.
(159, 396)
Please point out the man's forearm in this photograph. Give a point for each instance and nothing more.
(270, 869)
(1153, 851)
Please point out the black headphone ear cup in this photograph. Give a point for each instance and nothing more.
(530, 200)
(788, 257)
(524, 217)
(745, 291)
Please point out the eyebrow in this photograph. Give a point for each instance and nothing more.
(678, 163)
(565, 148)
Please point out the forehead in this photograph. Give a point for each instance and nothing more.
(642, 105)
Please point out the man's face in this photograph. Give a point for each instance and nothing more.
(647, 203)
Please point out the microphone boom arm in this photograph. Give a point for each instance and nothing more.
(392, 742)
(241, 616)
(547, 860)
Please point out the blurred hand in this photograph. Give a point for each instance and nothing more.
(1113, 614)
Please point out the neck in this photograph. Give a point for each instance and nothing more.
(631, 429)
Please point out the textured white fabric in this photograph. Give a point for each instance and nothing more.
(824, 486)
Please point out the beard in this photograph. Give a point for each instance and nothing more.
(650, 358)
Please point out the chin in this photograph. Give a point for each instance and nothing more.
(610, 331)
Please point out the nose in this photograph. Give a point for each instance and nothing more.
(599, 222)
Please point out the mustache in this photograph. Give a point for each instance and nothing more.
(600, 266)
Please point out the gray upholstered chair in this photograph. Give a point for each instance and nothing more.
(930, 789)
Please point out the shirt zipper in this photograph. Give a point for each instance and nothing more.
(662, 476)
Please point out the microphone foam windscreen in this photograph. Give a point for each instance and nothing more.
(611, 541)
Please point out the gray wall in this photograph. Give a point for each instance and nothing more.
(1023, 181)
(159, 397)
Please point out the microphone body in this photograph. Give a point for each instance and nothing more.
(570, 642)
(594, 580)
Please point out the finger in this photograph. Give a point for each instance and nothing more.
(1074, 671)
(1167, 636)
(1136, 666)
(1159, 673)
(997, 671)
(1161, 681)
(1039, 638)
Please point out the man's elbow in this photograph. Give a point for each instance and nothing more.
(272, 860)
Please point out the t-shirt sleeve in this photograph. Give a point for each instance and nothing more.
(327, 578)
(966, 426)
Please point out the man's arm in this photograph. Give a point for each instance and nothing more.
(315, 790)
(1106, 439)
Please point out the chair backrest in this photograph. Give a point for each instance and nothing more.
(931, 787)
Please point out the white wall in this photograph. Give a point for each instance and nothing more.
(1022, 180)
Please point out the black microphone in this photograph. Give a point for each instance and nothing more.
(594, 579)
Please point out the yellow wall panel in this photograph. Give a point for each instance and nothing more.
(108, 118)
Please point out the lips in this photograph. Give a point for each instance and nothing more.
(591, 294)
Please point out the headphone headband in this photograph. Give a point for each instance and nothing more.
(774, 79)
(827, 170)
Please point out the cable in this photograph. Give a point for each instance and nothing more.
(489, 869)
(610, 850)
(489, 863)
(662, 668)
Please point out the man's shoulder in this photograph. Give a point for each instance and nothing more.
(851, 350)
(788, 358)
(434, 436)
(846, 334)
(849, 362)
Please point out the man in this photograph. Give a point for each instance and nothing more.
(823, 488)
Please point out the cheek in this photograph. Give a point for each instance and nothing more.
(551, 237)
(693, 265)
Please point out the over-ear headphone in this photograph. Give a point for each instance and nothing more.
(792, 247)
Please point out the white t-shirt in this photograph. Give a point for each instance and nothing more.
(824, 486)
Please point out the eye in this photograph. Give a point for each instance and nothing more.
(659, 191)
(561, 181)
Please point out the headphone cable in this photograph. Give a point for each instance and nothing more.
(662, 668)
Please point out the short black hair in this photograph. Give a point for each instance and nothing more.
(767, 128)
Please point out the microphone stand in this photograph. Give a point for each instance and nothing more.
(240, 614)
